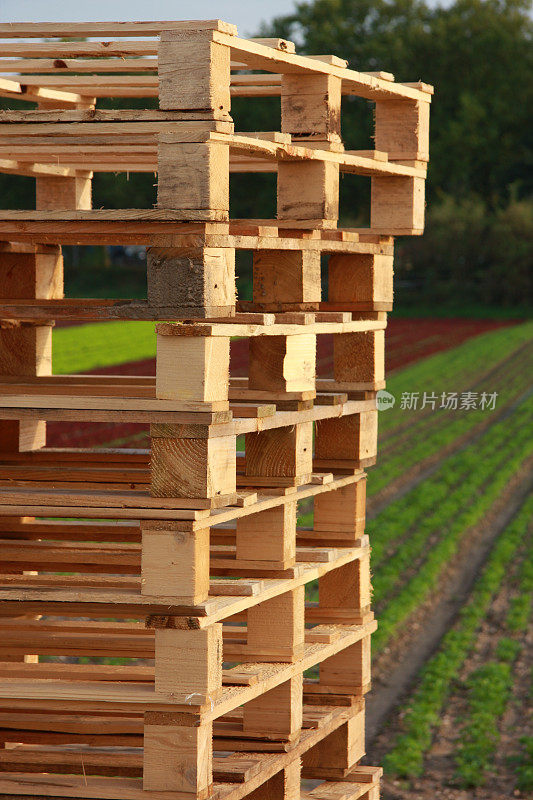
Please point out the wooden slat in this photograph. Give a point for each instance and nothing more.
(36, 30)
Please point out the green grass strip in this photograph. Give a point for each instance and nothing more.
(85, 347)
(406, 758)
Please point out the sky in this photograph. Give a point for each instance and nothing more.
(246, 14)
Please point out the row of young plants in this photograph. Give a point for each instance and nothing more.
(423, 422)
(433, 504)
(418, 589)
(406, 758)
(489, 689)
(453, 370)
(429, 438)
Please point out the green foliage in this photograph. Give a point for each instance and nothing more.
(488, 692)
(469, 251)
(467, 363)
(523, 764)
(456, 517)
(478, 55)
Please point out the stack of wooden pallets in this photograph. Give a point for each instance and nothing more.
(172, 588)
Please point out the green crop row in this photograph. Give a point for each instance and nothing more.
(430, 436)
(493, 373)
(523, 764)
(506, 382)
(494, 378)
(420, 587)
(455, 369)
(406, 758)
(488, 691)
(449, 517)
(445, 517)
(489, 688)
(427, 505)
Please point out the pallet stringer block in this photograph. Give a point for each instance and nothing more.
(280, 456)
(199, 281)
(286, 280)
(347, 443)
(268, 536)
(360, 281)
(283, 363)
(194, 72)
(341, 515)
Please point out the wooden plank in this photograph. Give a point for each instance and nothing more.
(22, 30)
(257, 56)
(106, 595)
(114, 789)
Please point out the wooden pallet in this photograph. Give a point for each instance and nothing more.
(243, 638)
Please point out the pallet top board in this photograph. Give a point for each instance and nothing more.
(128, 788)
(110, 84)
(143, 227)
(275, 56)
(250, 415)
(50, 694)
(101, 596)
(35, 30)
(39, 500)
(244, 324)
(94, 147)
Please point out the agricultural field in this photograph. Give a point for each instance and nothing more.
(449, 523)
(466, 726)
